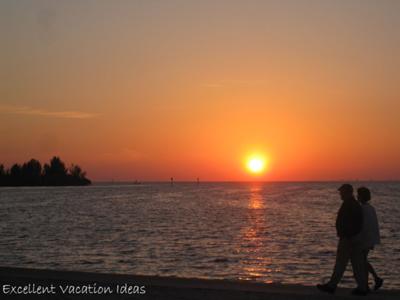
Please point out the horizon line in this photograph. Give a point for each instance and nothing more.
(246, 181)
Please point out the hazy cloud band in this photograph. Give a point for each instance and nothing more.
(26, 110)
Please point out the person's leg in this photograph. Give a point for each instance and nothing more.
(366, 264)
(358, 262)
(342, 259)
(372, 271)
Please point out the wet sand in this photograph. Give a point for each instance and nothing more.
(82, 285)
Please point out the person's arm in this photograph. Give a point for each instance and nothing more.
(340, 227)
(377, 237)
(358, 219)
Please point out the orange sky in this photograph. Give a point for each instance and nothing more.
(149, 90)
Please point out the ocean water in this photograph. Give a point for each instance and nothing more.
(266, 232)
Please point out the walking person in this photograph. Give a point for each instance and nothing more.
(369, 236)
(349, 223)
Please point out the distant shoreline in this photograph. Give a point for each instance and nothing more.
(144, 183)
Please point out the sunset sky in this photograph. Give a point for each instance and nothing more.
(152, 89)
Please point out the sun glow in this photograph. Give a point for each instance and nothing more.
(256, 164)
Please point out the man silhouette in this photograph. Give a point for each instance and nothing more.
(348, 225)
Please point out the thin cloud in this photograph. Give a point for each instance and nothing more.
(26, 110)
(233, 82)
(213, 85)
(125, 154)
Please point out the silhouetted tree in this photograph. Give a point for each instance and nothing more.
(15, 177)
(76, 171)
(2, 175)
(77, 176)
(55, 173)
(32, 172)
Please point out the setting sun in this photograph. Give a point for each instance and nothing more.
(256, 164)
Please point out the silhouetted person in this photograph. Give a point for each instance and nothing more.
(348, 225)
(369, 236)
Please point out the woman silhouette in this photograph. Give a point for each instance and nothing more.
(370, 233)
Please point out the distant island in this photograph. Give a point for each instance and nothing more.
(32, 173)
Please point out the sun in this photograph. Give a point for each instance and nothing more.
(256, 164)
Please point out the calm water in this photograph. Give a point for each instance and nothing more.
(272, 232)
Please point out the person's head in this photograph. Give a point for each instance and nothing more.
(363, 194)
(346, 191)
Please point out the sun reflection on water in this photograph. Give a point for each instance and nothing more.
(257, 263)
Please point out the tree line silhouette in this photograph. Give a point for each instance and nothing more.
(32, 173)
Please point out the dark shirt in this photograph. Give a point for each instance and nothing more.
(349, 219)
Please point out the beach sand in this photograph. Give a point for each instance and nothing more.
(155, 287)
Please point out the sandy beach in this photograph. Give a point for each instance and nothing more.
(21, 283)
